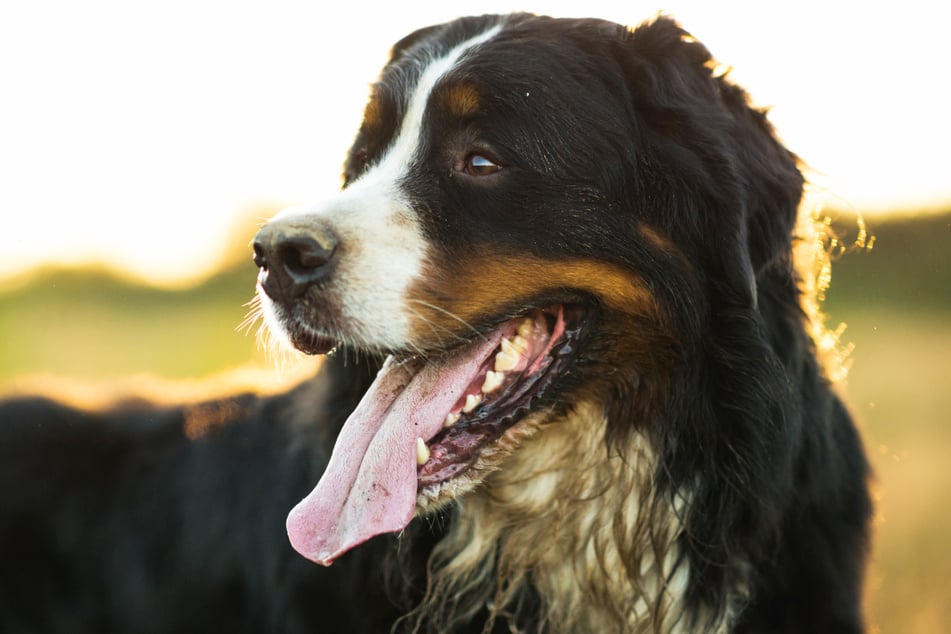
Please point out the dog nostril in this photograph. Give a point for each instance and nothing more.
(260, 260)
(292, 259)
(303, 256)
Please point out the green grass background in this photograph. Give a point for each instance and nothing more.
(896, 299)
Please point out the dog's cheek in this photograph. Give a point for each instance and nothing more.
(452, 298)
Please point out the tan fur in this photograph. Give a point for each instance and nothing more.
(451, 295)
(461, 100)
(202, 418)
(578, 523)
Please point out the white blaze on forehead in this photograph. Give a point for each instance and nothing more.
(382, 247)
(403, 151)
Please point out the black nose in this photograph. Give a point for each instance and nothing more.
(292, 257)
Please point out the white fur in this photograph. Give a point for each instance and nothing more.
(563, 514)
(381, 245)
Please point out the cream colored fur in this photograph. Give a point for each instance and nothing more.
(578, 523)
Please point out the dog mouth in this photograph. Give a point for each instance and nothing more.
(508, 385)
(428, 424)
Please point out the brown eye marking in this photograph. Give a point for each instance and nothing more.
(461, 100)
(480, 165)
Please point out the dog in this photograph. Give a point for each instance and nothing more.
(571, 383)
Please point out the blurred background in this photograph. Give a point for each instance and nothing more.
(141, 144)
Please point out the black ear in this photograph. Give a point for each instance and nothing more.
(719, 182)
(738, 188)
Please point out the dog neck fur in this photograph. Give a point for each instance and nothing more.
(583, 531)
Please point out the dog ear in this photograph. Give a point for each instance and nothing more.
(727, 192)
(737, 187)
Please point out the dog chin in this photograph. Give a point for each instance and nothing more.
(492, 460)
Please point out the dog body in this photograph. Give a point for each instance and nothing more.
(570, 342)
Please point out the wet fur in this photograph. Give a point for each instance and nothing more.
(564, 518)
(697, 471)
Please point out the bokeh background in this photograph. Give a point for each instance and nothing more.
(142, 143)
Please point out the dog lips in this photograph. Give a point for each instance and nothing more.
(369, 486)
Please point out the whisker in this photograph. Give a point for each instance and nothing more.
(437, 329)
(449, 314)
(432, 326)
(417, 350)
(255, 312)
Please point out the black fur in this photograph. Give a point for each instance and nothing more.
(118, 522)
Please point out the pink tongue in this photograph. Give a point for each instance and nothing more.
(369, 486)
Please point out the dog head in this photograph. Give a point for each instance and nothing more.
(536, 212)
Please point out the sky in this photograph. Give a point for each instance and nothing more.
(135, 134)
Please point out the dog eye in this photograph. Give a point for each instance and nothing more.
(480, 165)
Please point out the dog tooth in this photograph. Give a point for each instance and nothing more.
(520, 344)
(472, 401)
(525, 328)
(505, 361)
(511, 348)
(422, 452)
(492, 381)
(451, 419)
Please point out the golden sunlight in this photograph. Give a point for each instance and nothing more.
(135, 141)
(141, 144)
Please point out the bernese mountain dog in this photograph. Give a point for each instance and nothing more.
(571, 382)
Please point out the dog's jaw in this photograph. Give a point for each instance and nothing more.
(431, 428)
